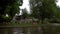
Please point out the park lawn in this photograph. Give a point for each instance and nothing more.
(19, 25)
(23, 24)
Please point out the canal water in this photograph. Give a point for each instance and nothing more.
(20, 30)
(52, 29)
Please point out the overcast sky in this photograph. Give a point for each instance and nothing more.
(26, 5)
(58, 3)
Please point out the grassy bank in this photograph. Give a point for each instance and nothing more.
(19, 24)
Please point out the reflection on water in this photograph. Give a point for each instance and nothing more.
(15, 32)
(19, 30)
(30, 30)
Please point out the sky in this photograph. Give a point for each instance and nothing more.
(58, 3)
(26, 5)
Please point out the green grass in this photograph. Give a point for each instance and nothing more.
(19, 25)
(23, 25)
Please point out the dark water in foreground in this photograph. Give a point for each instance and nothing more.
(20, 30)
(30, 30)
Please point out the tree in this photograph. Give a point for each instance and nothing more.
(42, 9)
(9, 7)
(24, 13)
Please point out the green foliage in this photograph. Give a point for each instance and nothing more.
(10, 7)
(42, 9)
(24, 13)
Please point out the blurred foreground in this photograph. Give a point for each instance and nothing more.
(43, 29)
